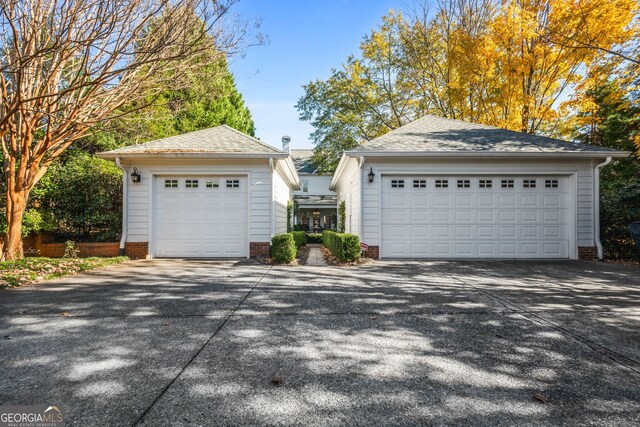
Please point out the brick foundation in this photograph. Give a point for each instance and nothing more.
(259, 249)
(136, 250)
(33, 246)
(587, 252)
(373, 252)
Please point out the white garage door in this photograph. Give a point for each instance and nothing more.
(200, 216)
(475, 217)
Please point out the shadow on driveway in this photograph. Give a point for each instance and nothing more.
(198, 342)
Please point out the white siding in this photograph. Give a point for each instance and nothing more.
(582, 170)
(585, 206)
(138, 206)
(349, 192)
(281, 196)
(317, 185)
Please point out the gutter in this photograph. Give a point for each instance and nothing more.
(483, 154)
(272, 167)
(360, 211)
(181, 155)
(596, 207)
(125, 206)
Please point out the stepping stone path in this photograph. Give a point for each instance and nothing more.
(315, 258)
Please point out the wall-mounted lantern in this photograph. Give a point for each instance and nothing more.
(135, 176)
(371, 175)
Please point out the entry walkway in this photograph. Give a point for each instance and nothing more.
(316, 258)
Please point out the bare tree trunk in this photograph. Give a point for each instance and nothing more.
(16, 205)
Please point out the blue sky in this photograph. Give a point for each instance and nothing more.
(307, 38)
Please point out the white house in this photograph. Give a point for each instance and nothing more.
(210, 193)
(317, 206)
(440, 188)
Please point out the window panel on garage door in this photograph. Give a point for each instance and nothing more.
(475, 217)
(200, 217)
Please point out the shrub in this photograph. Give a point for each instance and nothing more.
(300, 238)
(345, 247)
(342, 216)
(86, 198)
(314, 238)
(283, 248)
(619, 207)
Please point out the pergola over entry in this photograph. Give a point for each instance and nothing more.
(316, 213)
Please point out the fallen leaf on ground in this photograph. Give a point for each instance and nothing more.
(540, 398)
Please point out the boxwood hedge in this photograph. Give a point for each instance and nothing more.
(344, 246)
(300, 238)
(283, 248)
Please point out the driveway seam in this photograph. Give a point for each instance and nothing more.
(613, 355)
(140, 419)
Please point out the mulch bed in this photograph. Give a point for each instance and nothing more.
(626, 262)
(335, 261)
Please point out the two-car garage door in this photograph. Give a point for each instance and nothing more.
(200, 216)
(475, 217)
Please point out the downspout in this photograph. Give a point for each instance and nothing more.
(596, 196)
(272, 167)
(125, 206)
(360, 204)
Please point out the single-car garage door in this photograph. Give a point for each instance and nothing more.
(200, 216)
(475, 217)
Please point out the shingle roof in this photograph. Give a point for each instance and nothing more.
(302, 159)
(220, 139)
(437, 134)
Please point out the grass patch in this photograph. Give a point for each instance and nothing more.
(32, 270)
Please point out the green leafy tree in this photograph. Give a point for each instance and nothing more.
(507, 64)
(612, 120)
(85, 197)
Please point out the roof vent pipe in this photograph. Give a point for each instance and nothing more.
(286, 144)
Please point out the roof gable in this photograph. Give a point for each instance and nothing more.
(438, 134)
(217, 140)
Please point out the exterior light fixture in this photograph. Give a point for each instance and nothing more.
(371, 175)
(135, 176)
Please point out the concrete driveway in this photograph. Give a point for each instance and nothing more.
(171, 342)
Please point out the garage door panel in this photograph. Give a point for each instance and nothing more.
(507, 200)
(485, 200)
(463, 215)
(440, 231)
(485, 216)
(442, 201)
(485, 232)
(193, 220)
(486, 249)
(463, 232)
(505, 217)
(464, 249)
(465, 200)
(551, 231)
(552, 201)
(440, 215)
(508, 249)
(528, 231)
